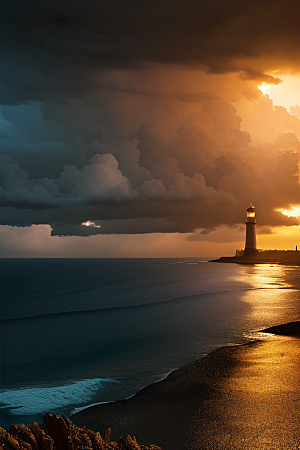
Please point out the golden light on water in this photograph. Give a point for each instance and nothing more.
(260, 407)
(263, 393)
(294, 211)
(266, 276)
(271, 298)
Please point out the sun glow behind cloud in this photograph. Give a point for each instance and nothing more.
(265, 88)
(143, 140)
(294, 211)
(282, 238)
(287, 93)
(88, 223)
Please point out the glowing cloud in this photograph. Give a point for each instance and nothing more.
(265, 88)
(294, 211)
(164, 135)
(286, 93)
(88, 223)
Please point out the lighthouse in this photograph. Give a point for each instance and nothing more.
(250, 255)
(250, 246)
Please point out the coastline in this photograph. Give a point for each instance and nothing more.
(212, 402)
(242, 396)
(281, 257)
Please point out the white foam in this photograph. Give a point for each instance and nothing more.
(81, 408)
(31, 401)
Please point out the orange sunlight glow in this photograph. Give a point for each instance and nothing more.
(282, 238)
(88, 223)
(294, 211)
(265, 88)
(287, 93)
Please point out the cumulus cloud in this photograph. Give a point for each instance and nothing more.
(198, 98)
(295, 110)
(203, 175)
(145, 117)
(177, 186)
(250, 74)
(99, 181)
(265, 121)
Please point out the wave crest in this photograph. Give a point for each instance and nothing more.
(30, 401)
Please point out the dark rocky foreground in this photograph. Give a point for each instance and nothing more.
(59, 433)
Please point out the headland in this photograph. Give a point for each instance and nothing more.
(288, 257)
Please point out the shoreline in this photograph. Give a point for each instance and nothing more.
(82, 408)
(242, 396)
(165, 412)
(289, 329)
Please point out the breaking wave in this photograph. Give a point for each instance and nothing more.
(30, 401)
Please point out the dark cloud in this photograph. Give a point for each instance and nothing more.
(250, 74)
(108, 118)
(198, 98)
(51, 47)
(220, 234)
(203, 176)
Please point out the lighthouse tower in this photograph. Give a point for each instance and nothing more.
(250, 246)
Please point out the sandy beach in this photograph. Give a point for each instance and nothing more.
(237, 397)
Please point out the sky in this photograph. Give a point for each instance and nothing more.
(146, 128)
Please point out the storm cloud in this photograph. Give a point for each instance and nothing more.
(65, 40)
(145, 117)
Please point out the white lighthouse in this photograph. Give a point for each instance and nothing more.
(250, 246)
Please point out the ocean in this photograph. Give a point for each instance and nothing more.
(76, 332)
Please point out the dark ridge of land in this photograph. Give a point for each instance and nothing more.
(287, 329)
(286, 257)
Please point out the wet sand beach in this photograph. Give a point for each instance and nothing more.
(237, 397)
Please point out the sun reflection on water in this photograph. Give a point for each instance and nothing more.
(260, 410)
(266, 276)
(273, 297)
(257, 406)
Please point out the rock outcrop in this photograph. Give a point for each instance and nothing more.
(59, 433)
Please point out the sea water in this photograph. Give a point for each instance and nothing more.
(75, 332)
